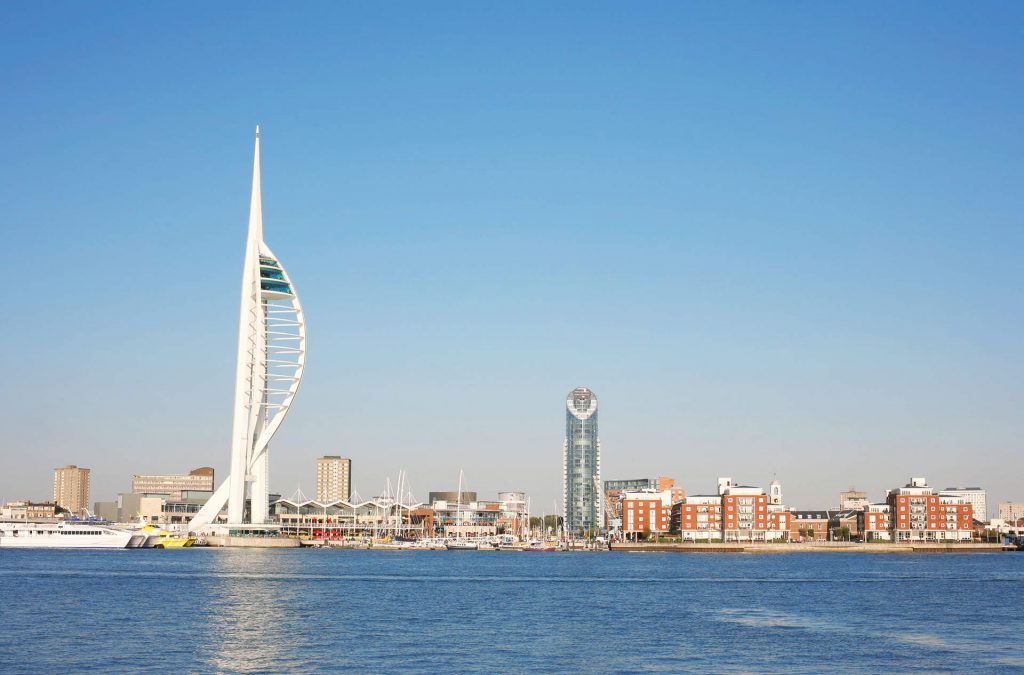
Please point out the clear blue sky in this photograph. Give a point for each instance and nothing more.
(776, 240)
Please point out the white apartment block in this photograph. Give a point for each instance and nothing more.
(1011, 512)
(333, 479)
(974, 496)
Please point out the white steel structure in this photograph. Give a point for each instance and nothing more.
(271, 357)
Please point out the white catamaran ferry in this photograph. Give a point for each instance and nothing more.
(62, 534)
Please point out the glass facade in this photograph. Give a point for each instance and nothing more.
(581, 464)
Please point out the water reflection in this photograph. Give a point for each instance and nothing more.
(249, 620)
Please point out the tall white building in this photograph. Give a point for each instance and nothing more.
(974, 496)
(333, 479)
(1011, 512)
(582, 495)
(269, 362)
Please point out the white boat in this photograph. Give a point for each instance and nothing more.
(462, 545)
(62, 534)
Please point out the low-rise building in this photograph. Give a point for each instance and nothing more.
(844, 524)
(779, 523)
(171, 485)
(646, 512)
(378, 517)
(874, 523)
(809, 525)
(698, 518)
(853, 499)
(918, 514)
(736, 513)
(744, 512)
(29, 510)
(615, 489)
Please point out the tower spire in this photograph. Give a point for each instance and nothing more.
(256, 201)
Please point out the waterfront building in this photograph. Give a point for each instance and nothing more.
(461, 514)
(646, 512)
(779, 523)
(808, 525)
(28, 510)
(1011, 512)
(741, 512)
(270, 359)
(917, 513)
(513, 518)
(697, 518)
(187, 505)
(633, 484)
(975, 496)
(333, 478)
(455, 496)
(378, 517)
(171, 484)
(744, 512)
(582, 497)
(844, 518)
(468, 519)
(71, 488)
(874, 522)
(736, 513)
(853, 499)
(614, 489)
(131, 507)
(106, 511)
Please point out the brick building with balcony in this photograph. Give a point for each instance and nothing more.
(646, 513)
(918, 514)
(698, 518)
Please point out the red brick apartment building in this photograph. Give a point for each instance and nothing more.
(917, 514)
(744, 513)
(645, 513)
(698, 518)
(736, 513)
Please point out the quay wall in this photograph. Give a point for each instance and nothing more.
(252, 542)
(820, 547)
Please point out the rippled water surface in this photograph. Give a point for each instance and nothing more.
(217, 610)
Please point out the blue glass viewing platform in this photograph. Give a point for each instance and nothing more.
(275, 287)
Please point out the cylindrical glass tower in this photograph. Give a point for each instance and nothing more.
(581, 464)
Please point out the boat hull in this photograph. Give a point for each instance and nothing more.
(62, 535)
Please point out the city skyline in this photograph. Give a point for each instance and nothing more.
(792, 253)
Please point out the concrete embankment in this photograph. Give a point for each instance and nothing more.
(252, 542)
(821, 547)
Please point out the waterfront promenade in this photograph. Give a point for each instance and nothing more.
(818, 547)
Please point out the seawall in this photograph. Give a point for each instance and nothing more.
(820, 547)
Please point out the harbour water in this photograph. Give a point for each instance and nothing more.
(270, 611)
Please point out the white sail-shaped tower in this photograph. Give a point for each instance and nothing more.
(271, 357)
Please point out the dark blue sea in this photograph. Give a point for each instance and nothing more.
(265, 611)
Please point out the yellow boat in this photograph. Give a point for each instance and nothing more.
(157, 537)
